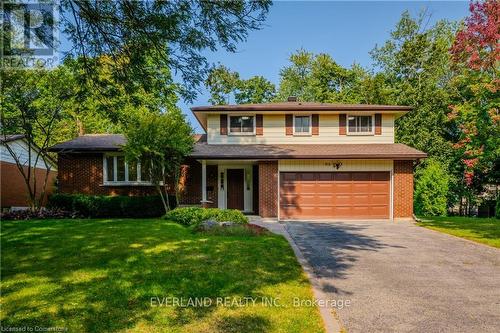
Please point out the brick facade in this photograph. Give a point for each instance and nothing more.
(403, 189)
(83, 173)
(14, 192)
(268, 188)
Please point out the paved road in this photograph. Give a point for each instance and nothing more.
(403, 278)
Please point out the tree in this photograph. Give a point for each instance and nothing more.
(318, 78)
(431, 189)
(256, 89)
(226, 85)
(177, 31)
(222, 83)
(161, 141)
(416, 68)
(476, 109)
(31, 105)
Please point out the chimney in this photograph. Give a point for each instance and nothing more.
(292, 98)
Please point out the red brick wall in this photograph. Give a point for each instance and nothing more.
(190, 193)
(82, 173)
(403, 189)
(268, 189)
(14, 192)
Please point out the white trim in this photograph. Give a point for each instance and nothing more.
(203, 181)
(240, 133)
(310, 125)
(372, 132)
(126, 182)
(248, 193)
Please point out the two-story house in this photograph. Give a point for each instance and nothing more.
(288, 160)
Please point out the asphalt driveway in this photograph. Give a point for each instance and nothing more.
(399, 277)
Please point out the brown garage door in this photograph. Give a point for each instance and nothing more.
(334, 195)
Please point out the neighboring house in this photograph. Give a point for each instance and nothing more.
(14, 193)
(288, 160)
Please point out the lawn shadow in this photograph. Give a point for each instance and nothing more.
(487, 228)
(100, 275)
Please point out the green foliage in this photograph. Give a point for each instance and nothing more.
(177, 31)
(431, 190)
(497, 208)
(193, 216)
(225, 85)
(416, 65)
(162, 140)
(107, 206)
(256, 89)
(318, 78)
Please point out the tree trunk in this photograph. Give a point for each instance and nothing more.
(165, 204)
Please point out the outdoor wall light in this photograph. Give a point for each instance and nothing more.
(222, 180)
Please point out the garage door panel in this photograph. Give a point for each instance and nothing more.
(379, 187)
(325, 176)
(334, 194)
(378, 211)
(361, 210)
(380, 176)
(342, 176)
(359, 199)
(341, 188)
(341, 211)
(360, 187)
(361, 177)
(342, 199)
(379, 199)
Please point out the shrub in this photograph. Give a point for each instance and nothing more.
(497, 208)
(28, 214)
(107, 206)
(431, 190)
(192, 216)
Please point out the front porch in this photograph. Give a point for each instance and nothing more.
(230, 184)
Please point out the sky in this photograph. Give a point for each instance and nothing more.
(347, 30)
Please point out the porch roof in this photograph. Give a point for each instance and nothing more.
(394, 151)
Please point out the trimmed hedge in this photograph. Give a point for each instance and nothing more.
(192, 216)
(108, 206)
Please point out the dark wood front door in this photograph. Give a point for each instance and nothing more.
(235, 189)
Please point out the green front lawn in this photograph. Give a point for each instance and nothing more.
(482, 230)
(100, 276)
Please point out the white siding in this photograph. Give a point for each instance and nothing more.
(274, 132)
(327, 165)
(20, 149)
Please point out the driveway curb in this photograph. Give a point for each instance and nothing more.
(332, 324)
(330, 319)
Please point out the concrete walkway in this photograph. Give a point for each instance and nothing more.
(400, 277)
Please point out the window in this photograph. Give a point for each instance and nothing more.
(301, 125)
(118, 170)
(360, 125)
(242, 125)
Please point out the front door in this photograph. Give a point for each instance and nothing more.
(235, 189)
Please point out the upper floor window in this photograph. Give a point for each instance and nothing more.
(360, 125)
(301, 125)
(241, 124)
(118, 170)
